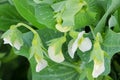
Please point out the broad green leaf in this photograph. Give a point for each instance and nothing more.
(11, 2)
(39, 15)
(85, 18)
(44, 15)
(70, 11)
(48, 35)
(58, 6)
(115, 4)
(111, 45)
(86, 65)
(8, 16)
(55, 72)
(87, 15)
(44, 1)
(11, 56)
(116, 16)
(25, 10)
(85, 57)
(3, 1)
(2, 55)
(89, 69)
(104, 78)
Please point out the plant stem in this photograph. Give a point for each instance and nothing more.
(28, 27)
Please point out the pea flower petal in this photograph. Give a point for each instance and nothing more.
(55, 49)
(17, 45)
(13, 37)
(85, 45)
(98, 69)
(7, 41)
(70, 51)
(41, 65)
(73, 45)
(57, 57)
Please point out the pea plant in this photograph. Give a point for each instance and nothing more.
(60, 39)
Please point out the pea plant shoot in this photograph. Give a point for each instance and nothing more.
(60, 39)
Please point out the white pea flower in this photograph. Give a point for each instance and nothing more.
(13, 37)
(37, 51)
(84, 44)
(97, 55)
(7, 40)
(98, 69)
(41, 63)
(55, 49)
(57, 57)
(16, 43)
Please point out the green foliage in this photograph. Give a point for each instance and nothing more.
(51, 72)
(39, 15)
(8, 16)
(38, 37)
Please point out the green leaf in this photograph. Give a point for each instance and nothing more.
(89, 69)
(111, 45)
(84, 18)
(104, 78)
(55, 72)
(58, 6)
(70, 11)
(86, 65)
(44, 1)
(44, 15)
(39, 15)
(115, 4)
(24, 9)
(8, 16)
(85, 57)
(87, 15)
